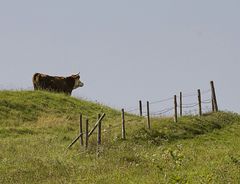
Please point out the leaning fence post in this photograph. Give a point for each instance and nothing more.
(199, 102)
(180, 104)
(148, 115)
(140, 107)
(175, 108)
(214, 98)
(123, 125)
(86, 143)
(95, 126)
(81, 131)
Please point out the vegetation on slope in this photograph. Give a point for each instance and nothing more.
(36, 127)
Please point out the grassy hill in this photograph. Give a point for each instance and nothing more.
(36, 128)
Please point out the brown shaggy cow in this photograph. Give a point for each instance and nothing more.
(56, 84)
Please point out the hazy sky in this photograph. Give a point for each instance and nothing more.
(126, 50)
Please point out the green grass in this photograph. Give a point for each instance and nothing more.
(36, 128)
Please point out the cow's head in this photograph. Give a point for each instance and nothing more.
(77, 83)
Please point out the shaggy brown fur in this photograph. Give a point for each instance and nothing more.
(56, 84)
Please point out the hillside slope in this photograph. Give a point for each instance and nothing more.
(36, 128)
(28, 106)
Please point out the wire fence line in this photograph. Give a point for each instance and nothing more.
(160, 101)
(207, 101)
(164, 111)
(160, 113)
(195, 94)
(199, 106)
(189, 107)
(132, 109)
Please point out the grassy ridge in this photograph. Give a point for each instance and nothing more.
(36, 127)
(28, 106)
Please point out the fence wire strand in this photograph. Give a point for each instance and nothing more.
(185, 95)
(164, 111)
(160, 101)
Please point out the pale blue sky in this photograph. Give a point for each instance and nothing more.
(125, 50)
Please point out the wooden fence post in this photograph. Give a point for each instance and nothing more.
(214, 98)
(99, 140)
(199, 102)
(123, 125)
(140, 107)
(74, 141)
(86, 144)
(96, 124)
(81, 131)
(181, 104)
(148, 115)
(175, 108)
(212, 104)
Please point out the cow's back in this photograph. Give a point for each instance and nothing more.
(52, 83)
(41, 81)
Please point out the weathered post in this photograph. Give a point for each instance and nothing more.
(212, 105)
(214, 98)
(148, 115)
(180, 104)
(140, 107)
(81, 131)
(99, 140)
(96, 124)
(175, 108)
(199, 102)
(86, 143)
(123, 125)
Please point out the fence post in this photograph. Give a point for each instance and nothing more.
(199, 102)
(96, 125)
(180, 104)
(123, 125)
(212, 104)
(214, 98)
(175, 108)
(99, 140)
(148, 115)
(140, 107)
(86, 144)
(81, 131)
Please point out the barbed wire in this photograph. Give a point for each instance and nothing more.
(207, 101)
(194, 103)
(160, 101)
(189, 106)
(186, 95)
(132, 109)
(163, 111)
(155, 114)
(195, 94)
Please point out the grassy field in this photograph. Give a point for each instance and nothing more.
(36, 128)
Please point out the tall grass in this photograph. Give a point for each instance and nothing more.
(36, 127)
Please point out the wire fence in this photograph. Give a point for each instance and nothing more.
(166, 105)
(183, 104)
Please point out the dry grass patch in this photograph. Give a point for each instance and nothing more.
(51, 121)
